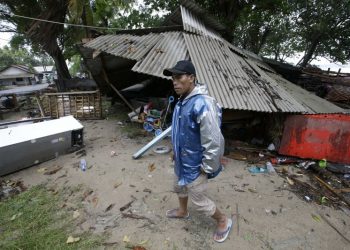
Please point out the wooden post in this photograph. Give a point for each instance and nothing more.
(40, 105)
(114, 88)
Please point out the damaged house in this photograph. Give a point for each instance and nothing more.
(255, 99)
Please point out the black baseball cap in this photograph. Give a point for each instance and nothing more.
(181, 67)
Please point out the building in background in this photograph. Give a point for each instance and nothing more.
(45, 74)
(17, 75)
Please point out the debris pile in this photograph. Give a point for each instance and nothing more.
(10, 188)
(318, 181)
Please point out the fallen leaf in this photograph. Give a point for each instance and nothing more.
(117, 184)
(53, 170)
(109, 207)
(151, 167)
(87, 193)
(95, 201)
(138, 248)
(41, 170)
(316, 218)
(71, 239)
(252, 190)
(143, 242)
(76, 214)
(15, 216)
(290, 181)
(126, 239)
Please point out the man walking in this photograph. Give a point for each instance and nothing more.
(198, 146)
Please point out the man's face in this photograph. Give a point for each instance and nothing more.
(183, 84)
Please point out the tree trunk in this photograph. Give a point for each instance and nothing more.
(310, 51)
(61, 67)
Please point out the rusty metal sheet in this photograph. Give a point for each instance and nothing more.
(317, 137)
(235, 82)
(125, 45)
(312, 103)
(170, 48)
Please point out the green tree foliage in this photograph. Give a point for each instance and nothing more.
(56, 39)
(42, 36)
(22, 56)
(323, 29)
(281, 28)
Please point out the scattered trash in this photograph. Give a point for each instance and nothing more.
(151, 167)
(270, 168)
(257, 170)
(82, 165)
(307, 198)
(71, 239)
(113, 153)
(271, 147)
(284, 160)
(339, 168)
(10, 188)
(161, 149)
(322, 163)
(76, 214)
(306, 164)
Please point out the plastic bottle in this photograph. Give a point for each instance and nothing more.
(82, 164)
(270, 167)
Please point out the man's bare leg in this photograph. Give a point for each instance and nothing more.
(182, 211)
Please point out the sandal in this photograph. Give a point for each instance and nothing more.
(171, 214)
(223, 234)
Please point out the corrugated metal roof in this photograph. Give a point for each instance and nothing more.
(312, 103)
(124, 45)
(169, 49)
(235, 77)
(234, 82)
(193, 24)
(203, 15)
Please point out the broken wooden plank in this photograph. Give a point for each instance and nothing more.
(332, 226)
(332, 190)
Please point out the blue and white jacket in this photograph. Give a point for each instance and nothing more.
(196, 136)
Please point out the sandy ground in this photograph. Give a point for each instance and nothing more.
(270, 216)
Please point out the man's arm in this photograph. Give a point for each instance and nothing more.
(211, 138)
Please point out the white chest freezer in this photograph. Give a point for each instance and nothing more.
(29, 144)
